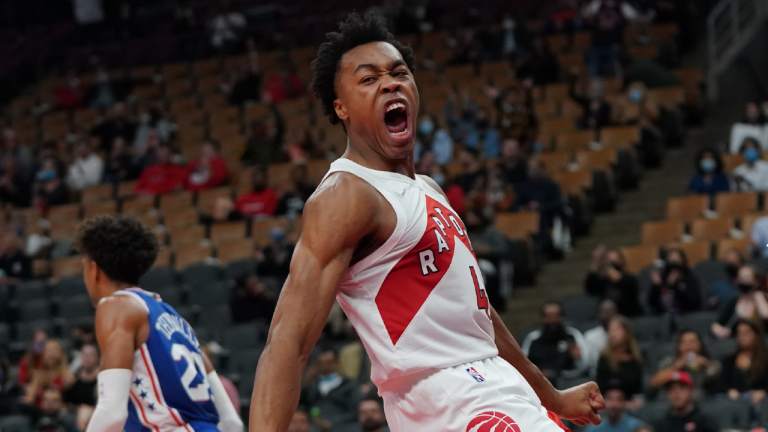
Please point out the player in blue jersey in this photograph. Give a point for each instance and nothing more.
(154, 377)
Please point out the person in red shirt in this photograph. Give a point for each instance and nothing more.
(285, 85)
(262, 202)
(32, 358)
(162, 177)
(72, 94)
(208, 171)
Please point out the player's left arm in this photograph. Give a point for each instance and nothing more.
(229, 419)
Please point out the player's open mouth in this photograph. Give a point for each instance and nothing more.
(396, 118)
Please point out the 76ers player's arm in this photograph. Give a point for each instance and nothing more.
(121, 327)
(578, 404)
(342, 212)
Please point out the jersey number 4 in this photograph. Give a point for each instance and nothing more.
(195, 366)
(482, 296)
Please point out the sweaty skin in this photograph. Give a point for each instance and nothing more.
(347, 219)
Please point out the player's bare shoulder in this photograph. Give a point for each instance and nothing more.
(428, 180)
(119, 310)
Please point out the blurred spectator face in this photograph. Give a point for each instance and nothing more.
(427, 124)
(707, 163)
(53, 354)
(752, 112)
(614, 258)
(153, 139)
(326, 363)
(607, 311)
(617, 335)
(636, 92)
(259, 180)
(510, 149)
(745, 337)
(680, 396)
(733, 256)
(82, 149)
(254, 287)
(674, 258)
(596, 89)
(118, 110)
(746, 279)
(164, 155)
(750, 149)
(614, 405)
(299, 422)
(90, 356)
(552, 316)
(38, 341)
(208, 151)
(689, 343)
(119, 146)
(370, 416)
(536, 172)
(52, 403)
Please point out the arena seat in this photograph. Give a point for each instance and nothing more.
(191, 254)
(222, 231)
(651, 328)
(158, 277)
(206, 199)
(97, 193)
(260, 229)
(209, 294)
(173, 295)
(26, 329)
(31, 290)
(574, 182)
(181, 218)
(163, 259)
(5, 334)
(711, 229)
(137, 205)
(597, 159)
(580, 308)
(743, 245)
(175, 201)
(728, 413)
(187, 236)
(520, 225)
(687, 208)
(651, 411)
(63, 229)
(236, 269)
(63, 267)
(736, 203)
(709, 272)
(748, 220)
(546, 109)
(573, 141)
(233, 249)
(33, 310)
(245, 361)
(661, 232)
(92, 209)
(66, 212)
(696, 252)
(731, 161)
(75, 307)
(700, 322)
(555, 161)
(557, 91)
(667, 97)
(620, 136)
(639, 257)
(241, 337)
(643, 52)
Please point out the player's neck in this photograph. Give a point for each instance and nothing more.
(367, 157)
(108, 288)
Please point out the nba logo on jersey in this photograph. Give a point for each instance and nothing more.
(475, 374)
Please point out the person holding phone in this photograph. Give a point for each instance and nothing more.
(608, 279)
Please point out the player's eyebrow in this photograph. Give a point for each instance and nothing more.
(392, 65)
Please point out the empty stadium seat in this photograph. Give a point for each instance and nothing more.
(104, 207)
(200, 275)
(234, 249)
(64, 267)
(191, 254)
(189, 235)
(720, 348)
(748, 220)
(209, 294)
(74, 307)
(580, 308)
(639, 257)
(696, 252)
(64, 212)
(661, 232)
(729, 414)
(620, 136)
(517, 225)
(687, 208)
(710, 272)
(137, 205)
(172, 295)
(245, 361)
(158, 278)
(700, 322)
(736, 203)
(97, 193)
(239, 268)
(31, 290)
(651, 328)
(711, 229)
(573, 141)
(34, 310)
(245, 336)
(743, 245)
(651, 411)
(223, 231)
(25, 329)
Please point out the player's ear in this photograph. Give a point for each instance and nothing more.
(341, 110)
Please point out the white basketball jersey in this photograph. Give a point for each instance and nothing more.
(418, 302)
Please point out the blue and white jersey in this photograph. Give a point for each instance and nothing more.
(169, 388)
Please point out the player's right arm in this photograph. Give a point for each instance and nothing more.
(336, 218)
(119, 322)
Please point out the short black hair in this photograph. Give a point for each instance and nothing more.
(120, 245)
(715, 154)
(353, 32)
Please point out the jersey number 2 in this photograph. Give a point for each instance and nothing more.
(195, 366)
(482, 296)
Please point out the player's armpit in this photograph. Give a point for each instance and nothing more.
(336, 218)
(119, 319)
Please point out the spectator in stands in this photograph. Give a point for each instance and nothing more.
(286, 84)
(516, 118)
(608, 279)
(101, 95)
(513, 162)
(117, 124)
(333, 395)
(744, 374)
(431, 137)
(15, 265)
(14, 149)
(119, 165)
(275, 259)
(52, 373)
(152, 129)
(725, 289)
(208, 171)
(751, 303)
(753, 115)
(49, 150)
(82, 335)
(14, 187)
(540, 194)
(452, 190)
(163, 177)
(301, 188)
(459, 112)
(354, 362)
(32, 357)
(596, 338)
(759, 236)
(472, 170)
(615, 417)
(674, 290)
(49, 189)
(491, 192)
(72, 93)
(262, 201)
(539, 65)
(370, 415)
(608, 19)
(683, 415)
(490, 247)
(484, 137)
(246, 84)
(86, 169)
(709, 178)
(621, 364)
(596, 111)
(52, 414)
(10, 391)
(264, 145)
(691, 357)
(300, 422)
(558, 350)
(752, 175)
(252, 300)
(83, 389)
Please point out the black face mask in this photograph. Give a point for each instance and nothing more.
(554, 333)
(745, 288)
(731, 270)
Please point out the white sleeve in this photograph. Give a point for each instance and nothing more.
(591, 8)
(629, 12)
(229, 419)
(112, 407)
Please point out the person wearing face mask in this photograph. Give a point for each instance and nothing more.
(539, 194)
(725, 289)
(49, 189)
(709, 178)
(333, 398)
(275, 259)
(753, 115)
(608, 279)
(674, 290)
(430, 136)
(752, 175)
(484, 137)
(751, 303)
(596, 111)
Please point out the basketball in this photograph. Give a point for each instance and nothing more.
(492, 421)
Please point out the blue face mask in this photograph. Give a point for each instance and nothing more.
(751, 155)
(636, 95)
(707, 165)
(277, 235)
(46, 175)
(426, 127)
(439, 179)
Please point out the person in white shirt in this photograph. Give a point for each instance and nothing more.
(752, 175)
(596, 338)
(759, 236)
(86, 169)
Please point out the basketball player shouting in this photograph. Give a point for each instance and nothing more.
(387, 244)
(154, 377)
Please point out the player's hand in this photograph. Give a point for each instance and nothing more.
(580, 404)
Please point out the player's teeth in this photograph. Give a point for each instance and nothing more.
(399, 134)
(395, 106)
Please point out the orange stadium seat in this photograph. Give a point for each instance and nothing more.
(99, 208)
(557, 92)
(696, 252)
(64, 212)
(582, 40)
(169, 203)
(233, 250)
(558, 42)
(669, 97)
(687, 208)
(576, 140)
(260, 229)
(643, 52)
(150, 220)
(187, 235)
(661, 232)
(620, 136)
(736, 203)
(206, 199)
(597, 159)
(222, 231)
(206, 67)
(317, 169)
(69, 266)
(63, 230)
(574, 182)
(711, 229)
(137, 205)
(517, 225)
(163, 258)
(175, 70)
(639, 257)
(570, 109)
(98, 193)
(181, 218)
(125, 189)
(731, 161)
(748, 220)
(555, 161)
(742, 245)
(191, 254)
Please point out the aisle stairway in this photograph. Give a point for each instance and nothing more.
(622, 227)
